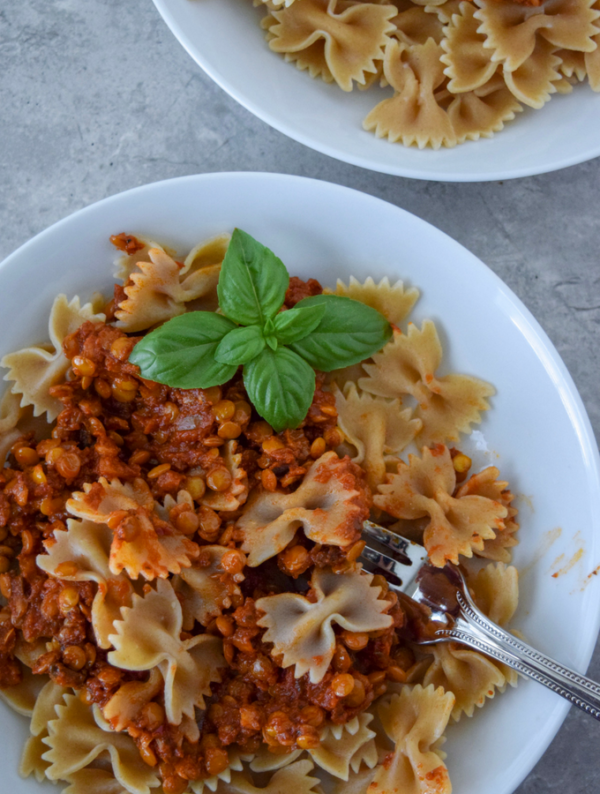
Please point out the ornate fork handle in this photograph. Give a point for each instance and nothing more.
(472, 628)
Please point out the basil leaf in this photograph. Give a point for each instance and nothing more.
(252, 282)
(294, 324)
(181, 353)
(240, 345)
(349, 332)
(269, 334)
(281, 386)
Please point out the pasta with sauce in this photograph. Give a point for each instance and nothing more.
(183, 600)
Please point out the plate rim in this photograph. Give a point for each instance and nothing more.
(544, 350)
(164, 8)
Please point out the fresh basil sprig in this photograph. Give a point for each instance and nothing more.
(279, 350)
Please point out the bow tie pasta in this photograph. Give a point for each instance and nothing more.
(460, 71)
(35, 370)
(142, 543)
(340, 40)
(301, 628)
(425, 487)
(148, 636)
(328, 505)
(186, 602)
(447, 405)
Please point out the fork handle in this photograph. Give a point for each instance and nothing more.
(474, 629)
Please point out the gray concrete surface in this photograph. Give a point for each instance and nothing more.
(96, 96)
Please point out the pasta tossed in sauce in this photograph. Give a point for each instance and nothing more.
(183, 601)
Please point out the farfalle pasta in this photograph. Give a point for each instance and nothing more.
(301, 628)
(484, 111)
(467, 60)
(511, 30)
(334, 38)
(93, 781)
(328, 505)
(159, 288)
(414, 721)
(414, 25)
(81, 554)
(345, 752)
(394, 301)
(143, 544)
(376, 427)
(486, 483)
(148, 636)
(296, 777)
(185, 607)
(446, 405)
(34, 370)
(469, 675)
(458, 525)
(32, 763)
(495, 589)
(78, 736)
(460, 70)
(413, 116)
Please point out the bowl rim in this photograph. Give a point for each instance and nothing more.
(536, 338)
(279, 123)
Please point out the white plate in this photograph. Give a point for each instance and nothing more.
(537, 431)
(224, 38)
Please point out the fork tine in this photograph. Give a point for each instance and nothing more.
(403, 561)
(372, 568)
(399, 546)
(386, 563)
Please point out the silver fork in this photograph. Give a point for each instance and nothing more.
(449, 614)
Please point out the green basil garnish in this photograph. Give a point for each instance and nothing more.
(240, 345)
(348, 332)
(252, 283)
(279, 350)
(281, 386)
(181, 353)
(298, 323)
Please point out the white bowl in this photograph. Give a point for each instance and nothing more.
(224, 38)
(537, 431)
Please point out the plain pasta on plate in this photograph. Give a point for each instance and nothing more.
(459, 71)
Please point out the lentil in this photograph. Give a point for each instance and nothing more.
(219, 479)
(269, 480)
(154, 473)
(224, 410)
(26, 456)
(229, 430)
(74, 657)
(342, 684)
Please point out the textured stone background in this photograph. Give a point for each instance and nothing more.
(96, 96)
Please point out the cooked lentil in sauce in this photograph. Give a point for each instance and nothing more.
(114, 424)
